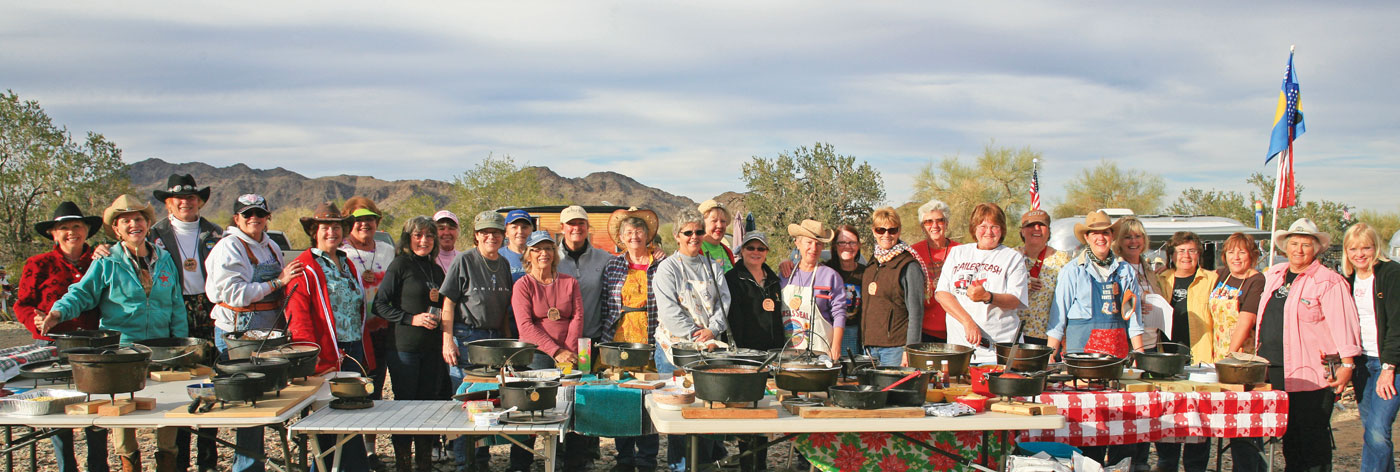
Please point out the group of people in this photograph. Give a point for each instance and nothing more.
(406, 311)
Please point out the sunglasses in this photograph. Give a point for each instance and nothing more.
(756, 248)
(691, 232)
(894, 230)
(256, 214)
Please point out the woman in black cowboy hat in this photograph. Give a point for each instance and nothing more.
(45, 278)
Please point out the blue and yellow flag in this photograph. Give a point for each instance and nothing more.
(1288, 118)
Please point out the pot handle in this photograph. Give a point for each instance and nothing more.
(357, 362)
(731, 359)
(173, 358)
(1185, 349)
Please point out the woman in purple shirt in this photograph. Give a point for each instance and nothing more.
(814, 288)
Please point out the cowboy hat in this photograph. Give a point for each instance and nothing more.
(123, 205)
(68, 211)
(325, 212)
(615, 223)
(812, 229)
(181, 185)
(1305, 227)
(1096, 221)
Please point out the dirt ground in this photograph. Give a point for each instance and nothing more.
(1346, 428)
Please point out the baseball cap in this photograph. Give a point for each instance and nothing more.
(446, 215)
(573, 212)
(488, 220)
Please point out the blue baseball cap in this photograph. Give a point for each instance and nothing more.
(539, 237)
(518, 214)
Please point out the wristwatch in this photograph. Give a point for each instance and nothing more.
(1349, 366)
(989, 298)
(1385, 366)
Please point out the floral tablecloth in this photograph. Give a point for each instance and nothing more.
(1107, 418)
(883, 452)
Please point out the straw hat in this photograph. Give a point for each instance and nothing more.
(615, 223)
(123, 205)
(1305, 227)
(812, 229)
(325, 212)
(1096, 221)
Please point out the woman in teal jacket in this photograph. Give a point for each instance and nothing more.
(137, 292)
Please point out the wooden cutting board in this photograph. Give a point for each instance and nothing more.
(838, 412)
(700, 412)
(268, 406)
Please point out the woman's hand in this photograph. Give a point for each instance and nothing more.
(785, 268)
(426, 320)
(1343, 378)
(972, 332)
(565, 355)
(704, 335)
(101, 250)
(449, 349)
(1035, 284)
(291, 271)
(1385, 384)
(835, 353)
(46, 321)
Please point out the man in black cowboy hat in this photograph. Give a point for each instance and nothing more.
(189, 238)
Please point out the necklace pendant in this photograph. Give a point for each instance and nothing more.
(368, 278)
(190, 264)
(553, 314)
(768, 304)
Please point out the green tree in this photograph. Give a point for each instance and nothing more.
(999, 175)
(493, 183)
(1108, 186)
(814, 183)
(417, 205)
(1260, 187)
(1229, 204)
(41, 165)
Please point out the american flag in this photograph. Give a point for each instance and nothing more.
(1035, 185)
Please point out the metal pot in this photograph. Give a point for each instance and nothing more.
(736, 353)
(352, 387)
(885, 375)
(806, 375)
(860, 397)
(682, 354)
(850, 365)
(728, 380)
(529, 395)
(1095, 366)
(240, 348)
(1008, 384)
(496, 352)
(903, 396)
(1023, 357)
(274, 370)
(240, 387)
(1162, 363)
(84, 338)
(1235, 371)
(625, 354)
(109, 370)
(176, 353)
(301, 357)
(46, 371)
(930, 356)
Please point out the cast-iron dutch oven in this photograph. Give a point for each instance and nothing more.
(860, 397)
(175, 353)
(1011, 384)
(1241, 372)
(240, 387)
(930, 357)
(496, 352)
(274, 370)
(806, 374)
(110, 370)
(1094, 366)
(239, 348)
(883, 376)
(83, 338)
(625, 354)
(728, 380)
(529, 395)
(301, 357)
(1022, 357)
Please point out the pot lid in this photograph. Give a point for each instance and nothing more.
(48, 368)
(1240, 358)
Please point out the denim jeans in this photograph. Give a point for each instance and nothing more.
(887, 355)
(638, 451)
(66, 461)
(1377, 416)
(850, 340)
(677, 445)
(247, 439)
(455, 373)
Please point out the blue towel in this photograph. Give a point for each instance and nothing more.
(607, 410)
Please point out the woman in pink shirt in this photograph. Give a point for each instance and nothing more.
(548, 305)
(1307, 312)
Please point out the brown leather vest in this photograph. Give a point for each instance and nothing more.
(884, 320)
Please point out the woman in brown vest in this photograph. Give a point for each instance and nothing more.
(896, 284)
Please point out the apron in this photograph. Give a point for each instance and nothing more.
(1105, 331)
(262, 273)
(695, 304)
(800, 314)
(1224, 307)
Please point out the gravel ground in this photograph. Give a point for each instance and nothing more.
(1346, 426)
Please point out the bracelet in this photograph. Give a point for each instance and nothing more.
(1349, 366)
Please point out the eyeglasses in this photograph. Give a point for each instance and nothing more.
(691, 232)
(1191, 251)
(847, 243)
(932, 222)
(756, 248)
(894, 230)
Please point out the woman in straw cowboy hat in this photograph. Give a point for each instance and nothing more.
(629, 309)
(44, 279)
(814, 289)
(138, 295)
(983, 285)
(1095, 307)
(1307, 310)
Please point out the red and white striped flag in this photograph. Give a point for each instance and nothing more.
(1035, 185)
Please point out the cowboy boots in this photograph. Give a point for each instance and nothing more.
(165, 461)
(131, 462)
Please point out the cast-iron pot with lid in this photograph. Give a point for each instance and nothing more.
(618, 354)
(241, 344)
(83, 338)
(497, 352)
(274, 370)
(301, 357)
(930, 357)
(111, 369)
(728, 380)
(529, 395)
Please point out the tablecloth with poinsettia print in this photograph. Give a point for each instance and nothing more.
(885, 452)
(1108, 418)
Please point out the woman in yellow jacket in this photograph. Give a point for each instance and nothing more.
(1189, 287)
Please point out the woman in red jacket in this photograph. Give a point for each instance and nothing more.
(325, 305)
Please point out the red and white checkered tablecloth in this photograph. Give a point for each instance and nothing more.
(1109, 418)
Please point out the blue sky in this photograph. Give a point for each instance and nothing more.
(679, 94)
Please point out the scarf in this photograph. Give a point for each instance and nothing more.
(1099, 262)
(884, 255)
